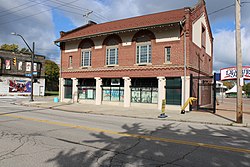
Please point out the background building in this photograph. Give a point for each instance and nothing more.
(139, 60)
(15, 74)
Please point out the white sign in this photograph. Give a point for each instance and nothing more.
(231, 73)
(28, 66)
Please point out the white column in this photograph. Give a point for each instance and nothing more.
(61, 89)
(161, 91)
(127, 91)
(187, 93)
(74, 90)
(98, 97)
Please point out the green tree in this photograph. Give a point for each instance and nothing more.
(52, 76)
(229, 84)
(10, 47)
(246, 88)
(24, 50)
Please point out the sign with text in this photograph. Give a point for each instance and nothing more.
(231, 73)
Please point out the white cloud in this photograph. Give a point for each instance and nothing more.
(33, 21)
(225, 50)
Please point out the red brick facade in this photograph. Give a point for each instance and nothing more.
(198, 61)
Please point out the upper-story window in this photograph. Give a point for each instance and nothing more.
(70, 61)
(143, 53)
(86, 55)
(203, 37)
(112, 45)
(112, 55)
(167, 54)
(86, 58)
(143, 47)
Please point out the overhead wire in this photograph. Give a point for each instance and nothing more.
(72, 6)
(15, 7)
(61, 4)
(221, 9)
(37, 3)
(81, 8)
(22, 18)
(224, 8)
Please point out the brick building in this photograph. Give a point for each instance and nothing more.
(15, 74)
(139, 60)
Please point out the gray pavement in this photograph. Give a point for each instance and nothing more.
(225, 113)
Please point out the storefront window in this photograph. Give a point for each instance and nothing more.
(173, 91)
(86, 92)
(144, 95)
(68, 89)
(113, 90)
(86, 89)
(144, 90)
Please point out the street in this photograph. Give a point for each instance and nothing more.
(43, 137)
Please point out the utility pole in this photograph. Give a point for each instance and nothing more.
(239, 105)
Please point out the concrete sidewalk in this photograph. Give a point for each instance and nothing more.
(223, 116)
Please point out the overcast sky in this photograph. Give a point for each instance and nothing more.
(42, 20)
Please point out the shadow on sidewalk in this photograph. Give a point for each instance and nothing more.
(224, 117)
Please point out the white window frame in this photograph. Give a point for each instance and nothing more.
(108, 48)
(89, 58)
(167, 55)
(149, 54)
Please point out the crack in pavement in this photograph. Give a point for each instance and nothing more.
(105, 149)
(2, 157)
(181, 158)
(131, 147)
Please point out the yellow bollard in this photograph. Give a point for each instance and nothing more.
(189, 101)
(163, 106)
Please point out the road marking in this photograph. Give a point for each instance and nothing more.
(225, 148)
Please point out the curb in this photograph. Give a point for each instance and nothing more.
(245, 125)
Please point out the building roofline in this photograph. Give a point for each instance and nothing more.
(125, 27)
(119, 31)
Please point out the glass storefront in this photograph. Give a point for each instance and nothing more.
(173, 91)
(86, 89)
(113, 90)
(68, 89)
(144, 90)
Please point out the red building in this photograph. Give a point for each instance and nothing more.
(137, 60)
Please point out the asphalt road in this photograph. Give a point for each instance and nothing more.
(42, 137)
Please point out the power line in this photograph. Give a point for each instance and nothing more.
(15, 7)
(221, 9)
(22, 18)
(72, 6)
(37, 3)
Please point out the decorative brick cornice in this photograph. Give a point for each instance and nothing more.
(139, 68)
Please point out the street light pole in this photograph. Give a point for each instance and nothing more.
(32, 62)
(32, 75)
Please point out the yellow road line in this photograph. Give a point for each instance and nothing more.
(183, 142)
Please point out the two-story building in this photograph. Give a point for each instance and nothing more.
(137, 61)
(15, 74)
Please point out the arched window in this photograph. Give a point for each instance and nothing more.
(143, 46)
(112, 43)
(86, 52)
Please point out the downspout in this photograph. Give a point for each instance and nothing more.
(185, 60)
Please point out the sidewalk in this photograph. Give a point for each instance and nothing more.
(225, 115)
